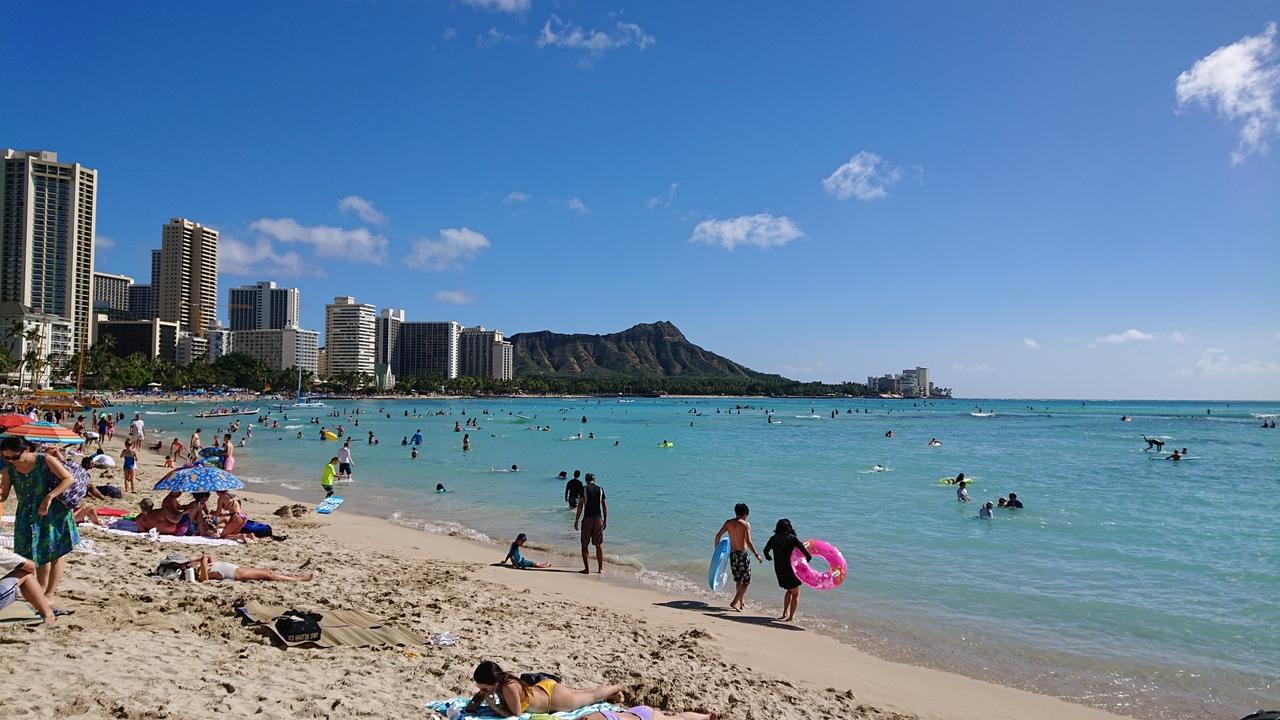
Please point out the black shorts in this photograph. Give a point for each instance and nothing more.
(740, 564)
(344, 468)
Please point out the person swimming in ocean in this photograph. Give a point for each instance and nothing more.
(935, 442)
(1176, 456)
(1156, 443)
(440, 488)
(888, 433)
(984, 512)
(962, 492)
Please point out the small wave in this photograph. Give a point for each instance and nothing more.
(291, 487)
(293, 427)
(442, 527)
(252, 480)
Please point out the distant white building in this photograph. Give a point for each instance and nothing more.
(279, 349)
(54, 344)
(189, 348)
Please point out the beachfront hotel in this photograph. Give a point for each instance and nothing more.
(263, 306)
(187, 285)
(349, 336)
(47, 214)
(427, 349)
(484, 353)
(111, 295)
(279, 348)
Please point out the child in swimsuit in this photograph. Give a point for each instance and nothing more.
(518, 560)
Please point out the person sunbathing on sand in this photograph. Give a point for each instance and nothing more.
(207, 568)
(509, 696)
(644, 712)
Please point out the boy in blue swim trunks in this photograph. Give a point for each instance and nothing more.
(739, 541)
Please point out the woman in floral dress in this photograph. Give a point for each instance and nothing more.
(45, 529)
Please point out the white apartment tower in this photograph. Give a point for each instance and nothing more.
(47, 214)
(188, 284)
(263, 306)
(349, 336)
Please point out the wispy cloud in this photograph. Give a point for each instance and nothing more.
(979, 368)
(761, 230)
(363, 209)
(449, 33)
(594, 43)
(1177, 337)
(103, 242)
(1031, 343)
(515, 196)
(575, 204)
(449, 249)
(492, 36)
(507, 6)
(865, 177)
(455, 297)
(261, 258)
(664, 200)
(1216, 361)
(1128, 336)
(358, 245)
(1240, 81)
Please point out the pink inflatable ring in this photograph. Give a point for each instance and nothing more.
(828, 580)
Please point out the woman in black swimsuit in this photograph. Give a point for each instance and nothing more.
(782, 544)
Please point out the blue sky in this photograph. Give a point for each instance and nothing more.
(1070, 200)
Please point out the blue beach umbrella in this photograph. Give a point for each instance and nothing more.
(200, 479)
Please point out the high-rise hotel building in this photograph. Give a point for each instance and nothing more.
(264, 306)
(349, 336)
(187, 288)
(47, 214)
(484, 353)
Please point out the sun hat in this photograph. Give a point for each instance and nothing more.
(176, 559)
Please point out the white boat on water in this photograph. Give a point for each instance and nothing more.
(222, 412)
(982, 414)
(303, 402)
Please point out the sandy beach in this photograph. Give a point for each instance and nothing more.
(139, 647)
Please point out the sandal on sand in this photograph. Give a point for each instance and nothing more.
(59, 612)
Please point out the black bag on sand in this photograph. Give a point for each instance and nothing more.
(297, 626)
(1263, 715)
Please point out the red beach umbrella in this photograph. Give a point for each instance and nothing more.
(11, 421)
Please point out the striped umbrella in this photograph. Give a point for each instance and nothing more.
(200, 478)
(9, 421)
(43, 432)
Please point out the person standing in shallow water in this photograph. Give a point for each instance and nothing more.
(593, 511)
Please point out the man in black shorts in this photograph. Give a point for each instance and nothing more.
(593, 512)
(573, 489)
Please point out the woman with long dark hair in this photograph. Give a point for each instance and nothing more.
(782, 544)
(44, 530)
(510, 696)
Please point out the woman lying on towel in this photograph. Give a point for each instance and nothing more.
(509, 696)
(208, 568)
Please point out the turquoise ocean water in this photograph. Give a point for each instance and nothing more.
(1148, 587)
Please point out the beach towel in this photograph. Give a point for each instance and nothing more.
(338, 628)
(20, 613)
(181, 540)
(443, 706)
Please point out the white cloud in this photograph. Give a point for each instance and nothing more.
(557, 33)
(358, 245)
(507, 6)
(576, 204)
(455, 297)
(449, 33)
(761, 230)
(1216, 361)
(449, 249)
(664, 200)
(1240, 81)
(515, 197)
(1031, 343)
(363, 209)
(1177, 337)
(979, 368)
(492, 36)
(1130, 335)
(865, 177)
(103, 242)
(261, 258)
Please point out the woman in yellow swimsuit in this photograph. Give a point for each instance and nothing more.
(509, 696)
